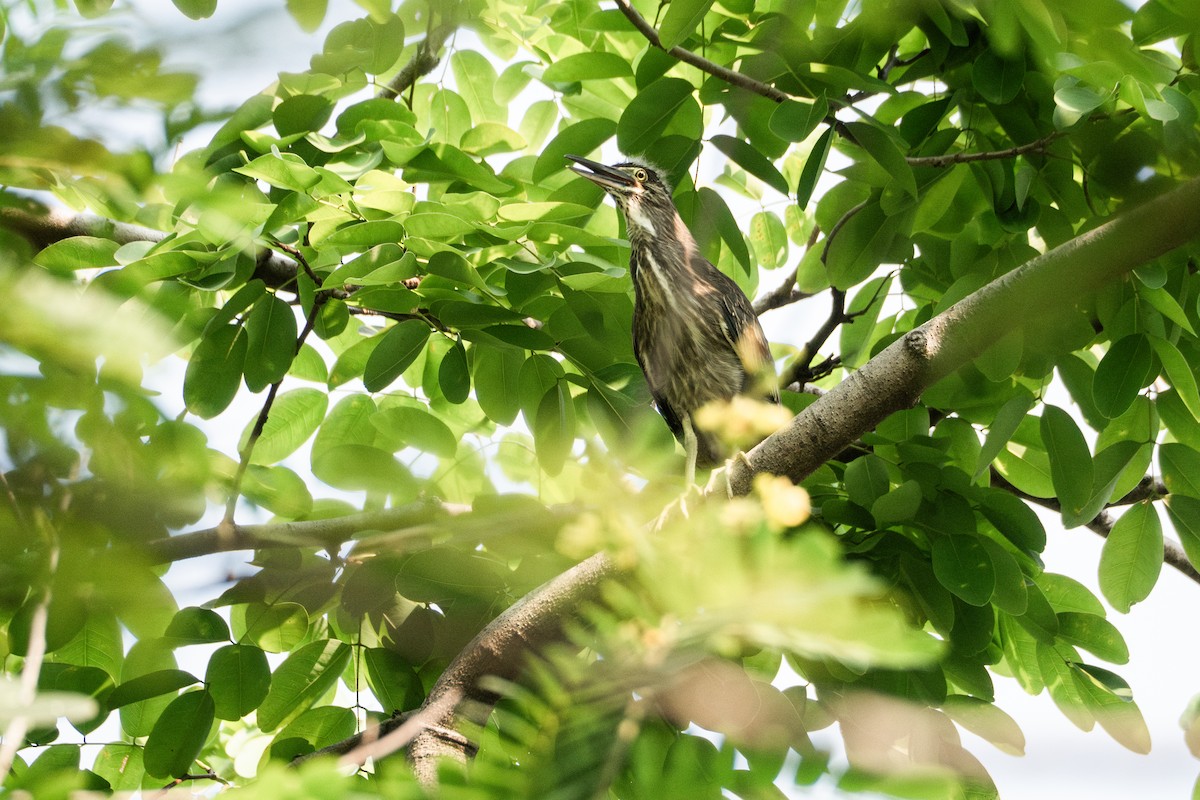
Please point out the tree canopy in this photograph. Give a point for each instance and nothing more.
(977, 218)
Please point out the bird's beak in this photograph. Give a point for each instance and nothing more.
(604, 176)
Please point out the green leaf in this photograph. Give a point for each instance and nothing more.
(1180, 466)
(476, 80)
(578, 139)
(179, 735)
(300, 680)
(1110, 464)
(417, 428)
(309, 14)
(682, 17)
(444, 575)
(278, 490)
(987, 721)
(1163, 302)
(649, 113)
(1071, 467)
(1073, 102)
(214, 371)
(302, 113)
(275, 627)
(938, 200)
(1185, 516)
(393, 681)
(398, 347)
(196, 9)
(587, 66)
(320, 727)
(453, 376)
(769, 238)
(238, 677)
(997, 79)
(271, 342)
(121, 765)
(1178, 373)
(1003, 426)
(962, 565)
(554, 428)
(196, 626)
(496, 375)
(1124, 370)
(285, 170)
(814, 167)
(884, 147)
(859, 246)
(1094, 634)
(898, 505)
(294, 417)
(750, 159)
(866, 480)
(795, 120)
(150, 685)
(77, 252)
(1132, 557)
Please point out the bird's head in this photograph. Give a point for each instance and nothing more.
(639, 189)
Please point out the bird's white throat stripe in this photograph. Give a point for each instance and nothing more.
(665, 290)
(639, 218)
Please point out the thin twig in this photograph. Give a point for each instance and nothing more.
(423, 62)
(948, 159)
(730, 76)
(801, 370)
(786, 293)
(1102, 525)
(375, 747)
(235, 491)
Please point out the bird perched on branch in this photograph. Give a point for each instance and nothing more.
(695, 334)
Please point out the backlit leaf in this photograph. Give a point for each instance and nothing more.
(1132, 557)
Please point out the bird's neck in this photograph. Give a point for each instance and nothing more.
(662, 245)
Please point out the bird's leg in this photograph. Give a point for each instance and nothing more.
(691, 448)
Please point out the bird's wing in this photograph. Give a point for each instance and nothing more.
(652, 372)
(745, 335)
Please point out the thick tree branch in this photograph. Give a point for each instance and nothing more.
(895, 378)
(500, 651)
(891, 381)
(321, 533)
(43, 229)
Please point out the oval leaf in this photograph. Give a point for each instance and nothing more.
(397, 349)
(1132, 557)
(179, 735)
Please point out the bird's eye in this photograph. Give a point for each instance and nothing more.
(640, 174)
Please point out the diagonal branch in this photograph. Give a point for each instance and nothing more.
(892, 380)
(732, 77)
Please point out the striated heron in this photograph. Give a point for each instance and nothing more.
(695, 334)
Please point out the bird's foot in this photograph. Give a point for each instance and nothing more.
(722, 475)
(678, 508)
